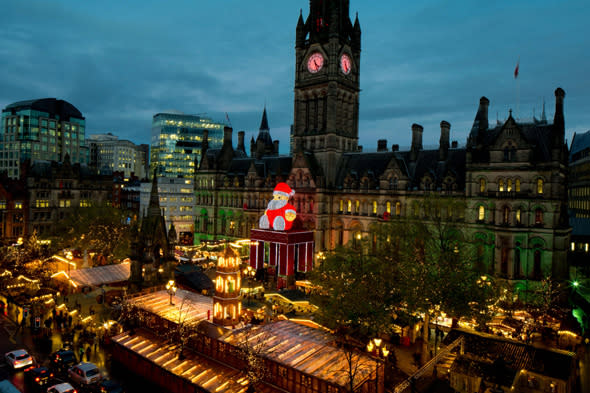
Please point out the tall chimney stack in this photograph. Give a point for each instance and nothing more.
(558, 120)
(443, 150)
(382, 145)
(241, 135)
(227, 131)
(480, 123)
(417, 130)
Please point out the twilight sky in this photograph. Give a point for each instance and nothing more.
(120, 62)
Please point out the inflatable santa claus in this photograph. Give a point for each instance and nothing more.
(279, 214)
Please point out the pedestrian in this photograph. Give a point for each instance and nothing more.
(95, 342)
(81, 352)
(88, 353)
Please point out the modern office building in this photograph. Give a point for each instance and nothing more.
(42, 129)
(579, 199)
(110, 154)
(176, 200)
(176, 142)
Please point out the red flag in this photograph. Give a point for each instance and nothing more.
(516, 69)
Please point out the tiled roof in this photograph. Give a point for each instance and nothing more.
(579, 143)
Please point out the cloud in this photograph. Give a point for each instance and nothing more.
(425, 61)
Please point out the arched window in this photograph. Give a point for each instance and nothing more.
(501, 185)
(356, 239)
(509, 185)
(504, 261)
(506, 157)
(388, 207)
(395, 183)
(538, 216)
(482, 185)
(517, 216)
(539, 186)
(398, 209)
(357, 206)
(341, 206)
(516, 266)
(537, 272)
(517, 185)
(481, 214)
(506, 215)
(349, 206)
(374, 207)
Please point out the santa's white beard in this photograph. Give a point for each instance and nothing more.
(276, 204)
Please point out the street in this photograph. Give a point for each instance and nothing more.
(12, 338)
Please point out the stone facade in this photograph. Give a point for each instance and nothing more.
(511, 176)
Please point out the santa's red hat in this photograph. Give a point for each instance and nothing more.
(283, 189)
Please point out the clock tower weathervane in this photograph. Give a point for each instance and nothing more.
(327, 69)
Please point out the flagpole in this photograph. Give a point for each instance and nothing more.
(517, 98)
(516, 71)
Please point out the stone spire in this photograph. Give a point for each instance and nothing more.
(154, 206)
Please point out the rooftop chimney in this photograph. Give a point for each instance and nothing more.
(558, 120)
(417, 130)
(227, 131)
(443, 150)
(382, 145)
(454, 144)
(241, 147)
(276, 146)
(481, 118)
(395, 147)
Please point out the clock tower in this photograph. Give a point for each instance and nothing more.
(327, 69)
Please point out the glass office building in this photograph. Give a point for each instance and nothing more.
(42, 129)
(176, 142)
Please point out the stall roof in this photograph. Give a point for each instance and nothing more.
(552, 362)
(204, 372)
(190, 306)
(100, 275)
(306, 349)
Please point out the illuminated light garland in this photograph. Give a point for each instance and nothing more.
(567, 333)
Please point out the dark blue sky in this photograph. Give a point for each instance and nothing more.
(120, 62)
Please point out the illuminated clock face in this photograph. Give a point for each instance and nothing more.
(315, 62)
(345, 64)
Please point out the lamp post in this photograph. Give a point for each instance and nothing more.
(171, 288)
(377, 348)
(249, 273)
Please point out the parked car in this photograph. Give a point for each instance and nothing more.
(38, 377)
(18, 358)
(62, 388)
(62, 360)
(84, 373)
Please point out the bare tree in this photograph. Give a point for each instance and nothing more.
(355, 361)
(253, 348)
(184, 328)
